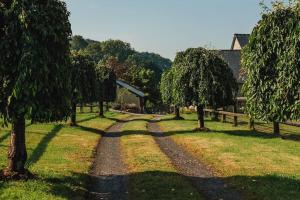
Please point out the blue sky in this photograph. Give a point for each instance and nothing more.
(164, 26)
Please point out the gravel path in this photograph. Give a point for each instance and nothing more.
(200, 176)
(109, 178)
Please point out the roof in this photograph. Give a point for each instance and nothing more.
(233, 58)
(131, 88)
(241, 38)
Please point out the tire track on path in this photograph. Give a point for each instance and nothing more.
(202, 178)
(109, 173)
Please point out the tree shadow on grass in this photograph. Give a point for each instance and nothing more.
(92, 130)
(87, 119)
(127, 120)
(239, 133)
(42, 146)
(262, 131)
(161, 185)
(69, 187)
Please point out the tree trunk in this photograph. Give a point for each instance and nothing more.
(200, 115)
(276, 128)
(81, 108)
(107, 106)
(215, 114)
(17, 154)
(101, 111)
(251, 123)
(177, 113)
(91, 108)
(235, 119)
(224, 116)
(73, 115)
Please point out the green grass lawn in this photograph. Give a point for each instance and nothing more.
(152, 175)
(261, 166)
(59, 155)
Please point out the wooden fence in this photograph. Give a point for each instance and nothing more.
(236, 116)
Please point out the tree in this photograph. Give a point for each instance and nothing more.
(120, 69)
(202, 78)
(166, 89)
(116, 48)
(83, 81)
(94, 50)
(145, 71)
(34, 69)
(78, 43)
(106, 86)
(271, 61)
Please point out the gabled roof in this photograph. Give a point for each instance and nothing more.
(132, 89)
(233, 58)
(241, 38)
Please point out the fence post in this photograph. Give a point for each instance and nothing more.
(91, 107)
(251, 123)
(235, 118)
(81, 108)
(224, 116)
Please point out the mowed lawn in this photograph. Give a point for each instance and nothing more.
(259, 165)
(152, 175)
(59, 156)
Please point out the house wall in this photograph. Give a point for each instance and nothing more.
(236, 45)
(125, 97)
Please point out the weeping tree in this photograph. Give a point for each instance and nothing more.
(83, 82)
(166, 89)
(34, 69)
(202, 78)
(271, 61)
(106, 86)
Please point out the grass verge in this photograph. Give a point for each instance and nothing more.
(259, 165)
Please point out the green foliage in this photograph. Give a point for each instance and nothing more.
(83, 79)
(166, 87)
(34, 60)
(116, 48)
(101, 51)
(271, 61)
(201, 77)
(94, 50)
(145, 73)
(78, 43)
(150, 60)
(106, 83)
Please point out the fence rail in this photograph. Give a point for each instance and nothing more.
(235, 117)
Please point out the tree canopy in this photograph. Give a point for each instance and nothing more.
(78, 43)
(36, 61)
(271, 61)
(202, 78)
(166, 87)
